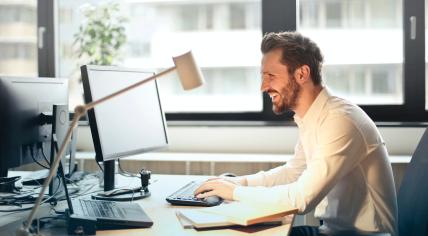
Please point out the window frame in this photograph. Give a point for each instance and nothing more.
(283, 16)
(46, 44)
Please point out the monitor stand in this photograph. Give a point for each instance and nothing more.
(112, 194)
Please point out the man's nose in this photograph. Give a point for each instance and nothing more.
(265, 85)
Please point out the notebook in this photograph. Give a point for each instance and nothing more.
(190, 218)
(232, 214)
(248, 214)
(199, 220)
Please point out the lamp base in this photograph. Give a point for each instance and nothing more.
(127, 196)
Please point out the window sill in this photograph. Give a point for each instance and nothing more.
(197, 123)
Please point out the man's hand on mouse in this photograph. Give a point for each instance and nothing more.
(216, 186)
(220, 186)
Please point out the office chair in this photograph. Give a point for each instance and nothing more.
(413, 193)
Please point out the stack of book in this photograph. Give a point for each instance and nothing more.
(234, 213)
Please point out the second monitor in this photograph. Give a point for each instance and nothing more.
(130, 124)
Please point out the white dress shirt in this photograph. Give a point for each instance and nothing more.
(340, 168)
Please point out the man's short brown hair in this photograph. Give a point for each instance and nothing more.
(297, 50)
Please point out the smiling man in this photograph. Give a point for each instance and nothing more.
(340, 166)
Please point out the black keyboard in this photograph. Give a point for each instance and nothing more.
(185, 197)
(106, 209)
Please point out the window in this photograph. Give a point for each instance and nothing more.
(237, 16)
(223, 35)
(333, 14)
(18, 38)
(352, 41)
(372, 55)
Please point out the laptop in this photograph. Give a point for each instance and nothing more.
(106, 215)
(85, 216)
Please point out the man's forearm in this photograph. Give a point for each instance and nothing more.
(242, 180)
(239, 180)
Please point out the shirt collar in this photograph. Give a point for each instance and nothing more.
(314, 110)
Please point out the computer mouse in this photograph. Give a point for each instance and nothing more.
(228, 175)
(213, 200)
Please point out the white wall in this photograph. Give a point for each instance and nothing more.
(273, 139)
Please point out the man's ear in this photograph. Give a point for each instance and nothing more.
(302, 74)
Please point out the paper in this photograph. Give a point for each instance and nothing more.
(200, 219)
(235, 213)
(184, 221)
(246, 214)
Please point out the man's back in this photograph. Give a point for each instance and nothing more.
(364, 198)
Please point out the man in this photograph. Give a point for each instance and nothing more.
(340, 166)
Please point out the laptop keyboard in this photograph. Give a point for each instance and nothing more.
(185, 196)
(96, 208)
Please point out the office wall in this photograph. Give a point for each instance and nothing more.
(267, 140)
(275, 139)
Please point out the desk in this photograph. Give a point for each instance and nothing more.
(163, 214)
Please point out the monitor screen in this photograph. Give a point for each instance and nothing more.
(129, 124)
(26, 106)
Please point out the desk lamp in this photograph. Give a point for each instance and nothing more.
(190, 77)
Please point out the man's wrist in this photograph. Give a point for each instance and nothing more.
(239, 180)
(243, 181)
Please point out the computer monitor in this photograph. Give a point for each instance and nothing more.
(31, 110)
(129, 124)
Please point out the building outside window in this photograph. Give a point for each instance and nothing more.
(223, 35)
(18, 38)
(362, 43)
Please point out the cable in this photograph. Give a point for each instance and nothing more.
(87, 192)
(28, 202)
(133, 192)
(58, 187)
(126, 173)
(34, 159)
(40, 147)
(7, 184)
(102, 170)
(26, 197)
(87, 189)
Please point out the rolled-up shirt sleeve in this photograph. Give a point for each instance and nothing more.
(284, 174)
(339, 146)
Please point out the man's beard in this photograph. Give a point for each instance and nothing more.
(289, 97)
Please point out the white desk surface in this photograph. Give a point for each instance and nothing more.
(163, 214)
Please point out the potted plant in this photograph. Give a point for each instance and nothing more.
(99, 41)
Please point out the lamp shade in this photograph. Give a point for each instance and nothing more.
(189, 73)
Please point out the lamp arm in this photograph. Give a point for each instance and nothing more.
(52, 172)
(79, 111)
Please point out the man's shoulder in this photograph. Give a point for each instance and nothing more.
(347, 109)
(342, 113)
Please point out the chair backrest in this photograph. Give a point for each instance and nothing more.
(413, 194)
